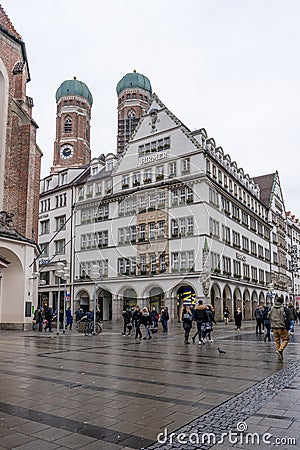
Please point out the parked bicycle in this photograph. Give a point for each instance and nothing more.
(89, 327)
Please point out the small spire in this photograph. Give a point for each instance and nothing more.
(134, 70)
(74, 77)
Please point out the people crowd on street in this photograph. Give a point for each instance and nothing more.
(278, 318)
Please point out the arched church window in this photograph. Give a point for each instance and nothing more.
(68, 125)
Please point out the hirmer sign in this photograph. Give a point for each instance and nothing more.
(152, 158)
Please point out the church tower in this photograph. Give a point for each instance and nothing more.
(134, 91)
(72, 143)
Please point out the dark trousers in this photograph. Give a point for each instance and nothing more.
(138, 332)
(125, 328)
(268, 332)
(187, 334)
(199, 332)
(258, 326)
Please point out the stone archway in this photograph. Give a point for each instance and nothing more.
(156, 298)
(262, 300)
(129, 297)
(185, 295)
(227, 300)
(237, 300)
(82, 301)
(12, 295)
(215, 300)
(247, 305)
(254, 302)
(104, 303)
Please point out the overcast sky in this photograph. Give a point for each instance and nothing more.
(230, 66)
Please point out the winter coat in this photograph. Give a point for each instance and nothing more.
(200, 313)
(292, 313)
(238, 319)
(137, 318)
(226, 312)
(210, 317)
(146, 319)
(69, 317)
(127, 316)
(278, 316)
(258, 313)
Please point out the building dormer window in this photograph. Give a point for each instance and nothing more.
(48, 184)
(94, 170)
(63, 178)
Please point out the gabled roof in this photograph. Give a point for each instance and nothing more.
(184, 128)
(7, 25)
(266, 184)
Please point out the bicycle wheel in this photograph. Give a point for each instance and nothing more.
(98, 328)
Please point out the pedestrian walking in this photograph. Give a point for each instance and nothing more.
(164, 318)
(208, 325)
(69, 318)
(238, 319)
(292, 316)
(200, 318)
(226, 314)
(37, 320)
(280, 323)
(187, 322)
(137, 318)
(258, 315)
(48, 314)
(267, 323)
(127, 318)
(154, 316)
(147, 322)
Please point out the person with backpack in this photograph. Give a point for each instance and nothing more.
(280, 323)
(258, 315)
(267, 323)
(187, 322)
(292, 316)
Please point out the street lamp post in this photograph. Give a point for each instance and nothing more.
(65, 277)
(61, 272)
(95, 274)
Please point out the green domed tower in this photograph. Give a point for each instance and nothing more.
(134, 91)
(72, 144)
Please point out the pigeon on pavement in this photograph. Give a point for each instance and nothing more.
(221, 351)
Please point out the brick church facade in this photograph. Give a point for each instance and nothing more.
(20, 160)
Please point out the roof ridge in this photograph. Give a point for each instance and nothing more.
(6, 23)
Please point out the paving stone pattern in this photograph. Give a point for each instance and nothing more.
(115, 393)
(231, 413)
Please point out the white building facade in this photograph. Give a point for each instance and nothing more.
(175, 220)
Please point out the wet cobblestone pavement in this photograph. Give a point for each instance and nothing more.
(112, 392)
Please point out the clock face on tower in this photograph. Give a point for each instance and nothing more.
(66, 151)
